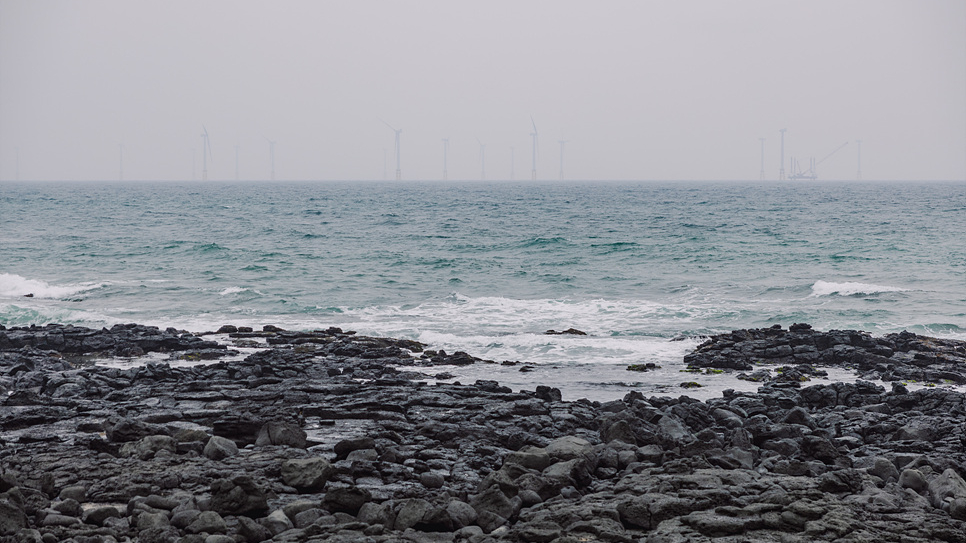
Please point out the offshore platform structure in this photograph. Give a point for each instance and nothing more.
(811, 173)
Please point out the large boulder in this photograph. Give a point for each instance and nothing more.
(281, 433)
(238, 496)
(207, 522)
(529, 457)
(949, 485)
(307, 474)
(411, 513)
(570, 448)
(346, 446)
(493, 500)
(346, 499)
(148, 446)
(242, 428)
(219, 448)
(128, 429)
(12, 517)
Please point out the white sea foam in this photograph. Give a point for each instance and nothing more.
(41, 312)
(506, 329)
(232, 290)
(497, 316)
(12, 285)
(827, 288)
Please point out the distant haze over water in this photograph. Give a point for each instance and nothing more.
(654, 90)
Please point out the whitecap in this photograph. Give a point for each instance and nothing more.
(232, 290)
(851, 288)
(12, 285)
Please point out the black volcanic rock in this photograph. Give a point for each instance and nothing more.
(385, 458)
(119, 340)
(894, 357)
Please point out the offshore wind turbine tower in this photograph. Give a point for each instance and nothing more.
(398, 167)
(205, 153)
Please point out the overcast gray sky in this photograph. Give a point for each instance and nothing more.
(640, 90)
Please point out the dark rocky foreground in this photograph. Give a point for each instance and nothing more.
(320, 438)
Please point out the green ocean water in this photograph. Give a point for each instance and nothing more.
(487, 267)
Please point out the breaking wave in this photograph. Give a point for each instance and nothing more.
(12, 286)
(827, 288)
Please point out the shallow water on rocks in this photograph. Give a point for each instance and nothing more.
(596, 382)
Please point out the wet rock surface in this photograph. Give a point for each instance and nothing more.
(319, 437)
(903, 357)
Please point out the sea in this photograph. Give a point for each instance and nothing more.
(644, 269)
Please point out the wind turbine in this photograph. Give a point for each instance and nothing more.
(482, 159)
(271, 150)
(533, 171)
(445, 149)
(561, 142)
(398, 169)
(205, 153)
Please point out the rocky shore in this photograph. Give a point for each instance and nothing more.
(319, 436)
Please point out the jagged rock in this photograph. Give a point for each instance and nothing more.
(411, 512)
(241, 428)
(346, 446)
(238, 496)
(12, 517)
(277, 522)
(128, 429)
(530, 457)
(914, 479)
(209, 522)
(148, 446)
(949, 485)
(281, 433)
(219, 448)
(306, 474)
(346, 499)
(252, 531)
(825, 462)
(183, 519)
(98, 515)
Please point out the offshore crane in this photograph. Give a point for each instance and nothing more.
(811, 172)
